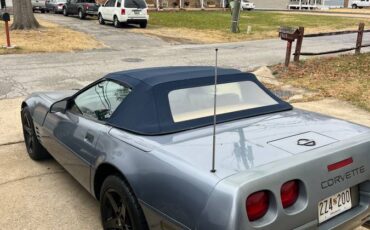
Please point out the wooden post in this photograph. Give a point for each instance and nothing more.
(7, 34)
(288, 52)
(298, 46)
(360, 35)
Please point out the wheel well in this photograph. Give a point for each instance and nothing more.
(103, 171)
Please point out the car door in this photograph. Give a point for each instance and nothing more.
(109, 8)
(73, 135)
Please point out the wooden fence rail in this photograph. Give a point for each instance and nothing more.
(298, 34)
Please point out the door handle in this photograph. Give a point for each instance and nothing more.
(89, 138)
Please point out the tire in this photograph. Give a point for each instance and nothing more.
(101, 19)
(143, 24)
(43, 11)
(81, 14)
(65, 12)
(116, 23)
(35, 150)
(119, 207)
(354, 6)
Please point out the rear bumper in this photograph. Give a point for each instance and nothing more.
(91, 12)
(136, 21)
(350, 219)
(39, 7)
(133, 20)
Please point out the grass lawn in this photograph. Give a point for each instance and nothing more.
(206, 26)
(49, 38)
(345, 77)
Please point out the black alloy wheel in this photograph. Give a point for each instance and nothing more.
(35, 150)
(28, 133)
(119, 207)
(115, 214)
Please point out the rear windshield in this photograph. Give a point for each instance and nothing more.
(135, 4)
(89, 1)
(197, 102)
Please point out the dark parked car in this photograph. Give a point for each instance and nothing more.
(55, 6)
(82, 8)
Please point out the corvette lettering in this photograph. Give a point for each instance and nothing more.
(341, 178)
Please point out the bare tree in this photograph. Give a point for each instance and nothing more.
(23, 16)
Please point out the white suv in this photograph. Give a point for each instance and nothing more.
(360, 4)
(124, 11)
(247, 5)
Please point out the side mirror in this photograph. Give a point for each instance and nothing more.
(59, 106)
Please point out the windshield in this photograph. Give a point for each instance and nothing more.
(197, 102)
(135, 4)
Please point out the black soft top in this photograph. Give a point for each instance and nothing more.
(146, 109)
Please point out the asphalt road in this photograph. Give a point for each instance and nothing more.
(23, 74)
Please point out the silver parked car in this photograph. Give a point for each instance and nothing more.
(55, 6)
(141, 142)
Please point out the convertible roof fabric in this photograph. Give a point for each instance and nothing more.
(146, 109)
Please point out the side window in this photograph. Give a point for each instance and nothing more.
(100, 101)
(110, 3)
(119, 3)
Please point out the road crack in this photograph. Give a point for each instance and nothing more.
(11, 143)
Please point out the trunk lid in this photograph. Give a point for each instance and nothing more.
(250, 143)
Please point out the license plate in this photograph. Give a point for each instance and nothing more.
(137, 11)
(334, 205)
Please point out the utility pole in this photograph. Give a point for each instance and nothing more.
(235, 16)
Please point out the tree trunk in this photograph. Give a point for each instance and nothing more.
(23, 16)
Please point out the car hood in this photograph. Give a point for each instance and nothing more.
(246, 144)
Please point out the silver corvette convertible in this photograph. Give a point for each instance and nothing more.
(142, 142)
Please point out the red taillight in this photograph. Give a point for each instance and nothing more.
(257, 205)
(123, 11)
(86, 6)
(289, 193)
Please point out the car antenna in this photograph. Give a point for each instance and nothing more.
(213, 170)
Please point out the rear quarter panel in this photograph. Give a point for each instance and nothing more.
(169, 186)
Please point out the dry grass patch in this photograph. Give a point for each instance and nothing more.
(49, 38)
(346, 77)
(200, 36)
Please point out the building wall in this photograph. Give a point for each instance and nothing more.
(282, 4)
(9, 3)
(271, 4)
(334, 3)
